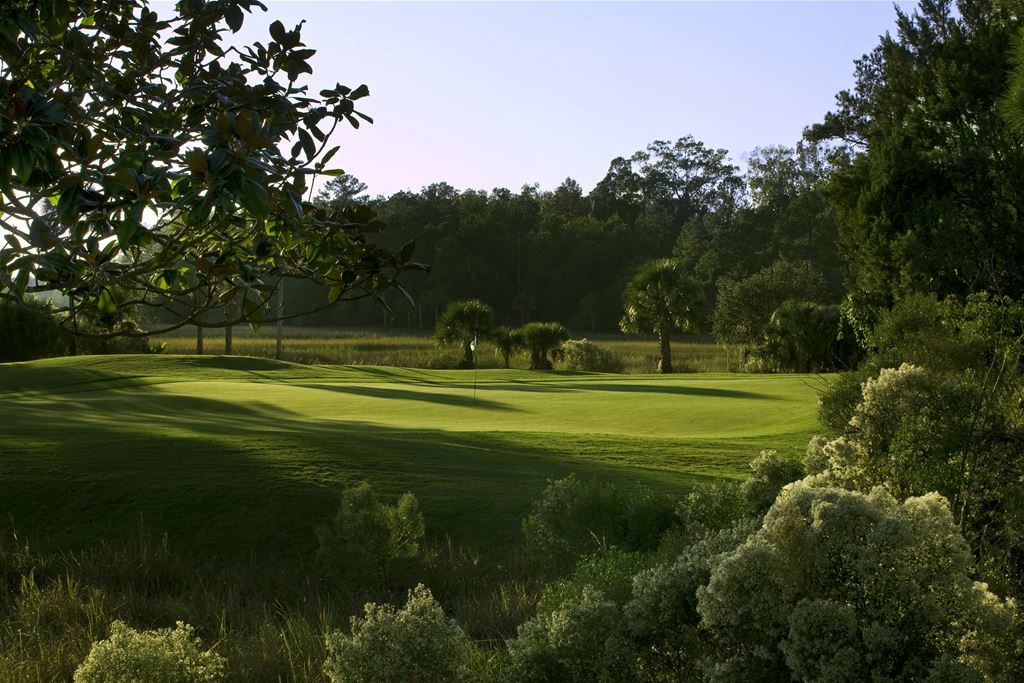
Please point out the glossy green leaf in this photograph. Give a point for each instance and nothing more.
(255, 197)
(106, 304)
(277, 31)
(234, 17)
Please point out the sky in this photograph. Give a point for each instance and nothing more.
(502, 94)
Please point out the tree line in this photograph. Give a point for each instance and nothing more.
(567, 255)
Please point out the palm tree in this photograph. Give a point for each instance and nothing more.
(803, 336)
(661, 298)
(464, 322)
(1011, 105)
(541, 339)
(507, 341)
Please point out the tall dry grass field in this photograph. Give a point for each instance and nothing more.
(333, 346)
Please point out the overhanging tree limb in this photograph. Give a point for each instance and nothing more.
(140, 159)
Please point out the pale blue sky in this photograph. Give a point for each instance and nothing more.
(487, 94)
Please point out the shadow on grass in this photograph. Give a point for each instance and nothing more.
(548, 383)
(623, 387)
(406, 394)
(657, 388)
(242, 480)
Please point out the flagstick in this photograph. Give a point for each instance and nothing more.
(472, 346)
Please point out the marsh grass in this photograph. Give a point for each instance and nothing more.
(269, 622)
(65, 601)
(332, 346)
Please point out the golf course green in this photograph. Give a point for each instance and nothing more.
(240, 457)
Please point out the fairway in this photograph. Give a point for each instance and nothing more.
(239, 457)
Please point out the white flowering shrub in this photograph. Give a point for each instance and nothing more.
(886, 402)
(158, 656)
(917, 431)
(842, 585)
(415, 643)
(839, 462)
(711, 506)
(770, 473)
(815, 461)
(582, 641)
(583, 355)
(908, 432)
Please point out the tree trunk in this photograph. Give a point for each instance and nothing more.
(665, 365)
(74, 326)
(199, 340)
(467, 355)
(228, 314)
(279, 349)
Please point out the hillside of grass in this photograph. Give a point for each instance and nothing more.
(240, 457)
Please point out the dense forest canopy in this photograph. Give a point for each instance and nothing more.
(567, 255)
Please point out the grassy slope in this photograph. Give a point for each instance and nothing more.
(239, 456)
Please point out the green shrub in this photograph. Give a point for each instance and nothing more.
(661, 616)
(803, 336)
(744, 308)
(415, 643)
(572, 519)
(33, 330)
(30, 330)
(121, 343)
(366, 535)
(610, 572)
(916, 330)
(159, 656)
(839, 399)
(584, 356)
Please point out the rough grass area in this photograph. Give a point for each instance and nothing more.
(240, 457)
(314, 345)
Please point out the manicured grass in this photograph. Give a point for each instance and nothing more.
(238, 457)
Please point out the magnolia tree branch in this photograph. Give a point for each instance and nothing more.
(145, 164)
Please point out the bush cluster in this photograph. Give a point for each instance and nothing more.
(466, 322)
(414, 643)
(30, 330)
(33, 329)
(573, 518)
(158, 656)
(583, 355)
(366, 535)
(842, 585)
(580, 641)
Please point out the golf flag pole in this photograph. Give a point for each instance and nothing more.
(472, 347)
